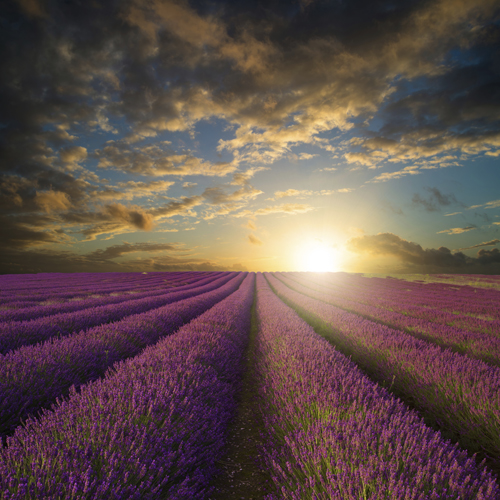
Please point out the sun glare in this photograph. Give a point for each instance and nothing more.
(318, 257)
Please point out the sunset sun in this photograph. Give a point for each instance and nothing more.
(318, 257)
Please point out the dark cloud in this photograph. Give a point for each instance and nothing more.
(484, 244)
(484, 217)
(18, 233)
(157, 160)
(177, 207)
(435, 200)
(14, 261)
(414, 258)
(489, 256)
(133, 216)
(115, 251)
(33, 8)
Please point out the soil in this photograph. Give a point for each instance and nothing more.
(242, 475)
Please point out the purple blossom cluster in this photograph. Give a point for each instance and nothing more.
(34, 376)
(466, 307)
(152, 428)
(97, 297)
(332, 433)
(460, 393)
(24, 291)
(475, 345)
(14, 334)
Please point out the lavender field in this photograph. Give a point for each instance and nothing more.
(213, 385)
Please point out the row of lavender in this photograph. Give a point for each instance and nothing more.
(463, 305)
(71, 294)
(32, 377)
(448, 295)
(483, 346)
(19, 283)
(334, 434)
(153, 427)
(62, 291)
(14, 334)
(460, 394)
(97, 298)
(65, 282)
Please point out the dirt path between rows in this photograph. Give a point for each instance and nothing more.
(241, 476)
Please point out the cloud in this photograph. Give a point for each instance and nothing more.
(176, 207)
(32, 8)
(16, 233)
(51, 201)
(457, 230)
(307, 156)
(73, 154)
(157, 160)
(304, 192)
(116, 251)
(133, 189)
(285, 208)
(218, 195)
(291, 192)
(243, 178)
(103, 260)
(250, 225)
(387, 176)
(453, 213)
(434, 201)
(228, 202)
(278, 86)
(413, 253)
(489, 256)
(417, 259)
(492, 204)
(134, 216)
(254, 240)
(484, 244)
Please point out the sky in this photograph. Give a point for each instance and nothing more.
(307, 135)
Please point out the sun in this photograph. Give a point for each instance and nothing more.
(318, 257)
